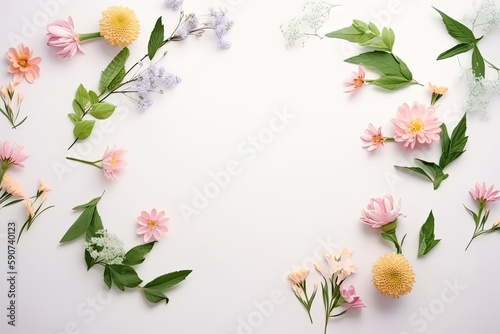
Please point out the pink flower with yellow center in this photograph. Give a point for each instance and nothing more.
(356, 81)
(112, 161)
(23, 64)
(152, 225)
(373, 138)
(417, 123)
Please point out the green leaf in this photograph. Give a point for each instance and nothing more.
(436, 172)
(136, 255)
(77, 108)
(382, 61)
(477, 63)
(102, 110)
(373, 27)
(93, 202)
(117, 80)
(426, 237)
(113, 69)
(360, 25)
(445, 145)
(455, 146)
(123, 276)
(156, 39)
(80, 226)
(166, 281)
(393, 238)
(89, 260)
(405, 71)
(416, 170)
(74, 118)
(391, 82)
(456, 29)
(388, 37)
(82, 96)
(83, 129)
(93, 97)
(107, 276)
(473, 214)
(456, 50)
(350, 34)
(154, 296)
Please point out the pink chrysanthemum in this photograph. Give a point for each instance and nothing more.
(11, 155)
(381, 211)
(62, 36)
(152, 225)
(356, 81)
(417, 123)
(373, 138)
(23, 64)
(112, 161)
(482, 194)
(350, 297)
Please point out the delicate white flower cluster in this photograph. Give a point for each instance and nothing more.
(175, 4)
(480, 90)
(220, 24)
(152, 78)
(486, 17)
(106, 248)
(314, 15)
(190, 24)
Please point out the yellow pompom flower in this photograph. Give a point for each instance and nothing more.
(393, 275)
(119, 26)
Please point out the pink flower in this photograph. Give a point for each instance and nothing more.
(152, 225)
(112, 160)
(381, 211)
(23, 64)
(11, 155)
(416, 124)
(483, 195)
(350, 296)
(62, 36)
(356, 81)
(373, 138)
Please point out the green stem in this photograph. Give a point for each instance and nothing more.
(2, 172)
(389, 138)
(92, 163)
(83, 37)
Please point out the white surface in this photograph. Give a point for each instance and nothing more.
(304, 190)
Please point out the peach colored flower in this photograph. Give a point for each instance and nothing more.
(437, 90)
(373, 138)
(43, 190)
(11, 186)
(299, 276)
(30, 210)
(23, 64)
(152, 224)
(417, 123)
(62, 36)
(381, 211)
(356, 81)
(339, 264)
(351, 297)
(112, 161)
(482, 194)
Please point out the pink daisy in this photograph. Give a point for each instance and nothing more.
(23, 64)
(11, 155)
(482, 194)
(373, 138)
(417, 123)
(112, 160)
(356, 81)
(152, 225)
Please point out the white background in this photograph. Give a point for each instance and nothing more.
(304, 190)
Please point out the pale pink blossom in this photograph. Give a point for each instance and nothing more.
(482, 194)
(112, 161)
(416, 123)
(152, 224)
(62, 36)
(339, 264)
(373, 138)
(23, 64)
(350, 297)
(11, 154)
(356, 81)
(381, 211)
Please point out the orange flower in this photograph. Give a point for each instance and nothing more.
(23, 64)
(438, 90)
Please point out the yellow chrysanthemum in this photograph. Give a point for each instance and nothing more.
(119, 26)
(393, 275)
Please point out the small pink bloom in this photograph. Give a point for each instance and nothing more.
(381, 211)
(350, 296)
(11, 155)
(373, 138)
(356, 81)
(417, 123)
(112, 160)
(152, 224)
(482, 195)
(23, 64)
(62, 36)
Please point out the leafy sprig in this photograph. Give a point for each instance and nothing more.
(427, 239)
(122, 275)
(451, 148)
